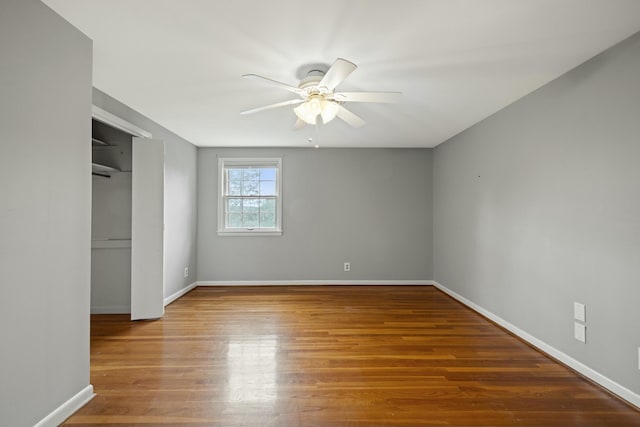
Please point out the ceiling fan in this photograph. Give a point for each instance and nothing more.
(318, 98)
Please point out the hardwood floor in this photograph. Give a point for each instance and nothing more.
(330, 356)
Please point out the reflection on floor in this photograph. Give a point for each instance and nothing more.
(252, 363)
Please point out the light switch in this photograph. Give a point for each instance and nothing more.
(580, 332)
(579, 312)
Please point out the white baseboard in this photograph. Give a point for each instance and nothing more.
(311, 282)
(111, 309)
(68, 408)
(617, 389)
(171, 298)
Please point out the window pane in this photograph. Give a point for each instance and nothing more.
(235, 174)
(250, 188)
(268, 205)
(234, 220)
(234, 188)
(234, 205)
(267, 174)
(250, 220)
(250, 206)
(251, 174)
(267, 220)
(267, 188)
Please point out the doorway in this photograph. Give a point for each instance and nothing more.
(127, 219)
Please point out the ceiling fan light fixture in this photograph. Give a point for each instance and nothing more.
(308, 111)
(329, 111)
(304, 113)
(316, 106)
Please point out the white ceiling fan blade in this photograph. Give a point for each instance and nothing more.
(350, 118)
(276, 105)
(299, 124)
(337, 73)
(386, 97)
(274, 83)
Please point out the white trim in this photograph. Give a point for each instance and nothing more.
(64, 411)
(110, 309)
(249, 233)
(617, 389)
(312, 282)
(174, 296)
(114, 121)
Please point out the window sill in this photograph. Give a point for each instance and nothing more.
(249, 233)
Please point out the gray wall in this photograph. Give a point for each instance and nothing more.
(45, 202)
(371, 207)
(180, 194)
(538, 206)
(111, 207)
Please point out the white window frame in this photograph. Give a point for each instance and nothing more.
(223, 163)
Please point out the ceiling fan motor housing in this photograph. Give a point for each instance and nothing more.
(313, 78)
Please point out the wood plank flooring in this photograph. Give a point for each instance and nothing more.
(330, 356)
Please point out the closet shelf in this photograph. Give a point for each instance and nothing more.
(110, 243)
(99, 143)
(103, 170)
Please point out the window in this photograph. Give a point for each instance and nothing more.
(249, 196)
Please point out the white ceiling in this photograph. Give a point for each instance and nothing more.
(455, 61)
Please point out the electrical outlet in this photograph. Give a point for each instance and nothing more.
(579, 312)
(186, 272)
(580, 332)
(347, 266)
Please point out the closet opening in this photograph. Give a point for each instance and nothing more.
(127, 219)
(110, 219)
